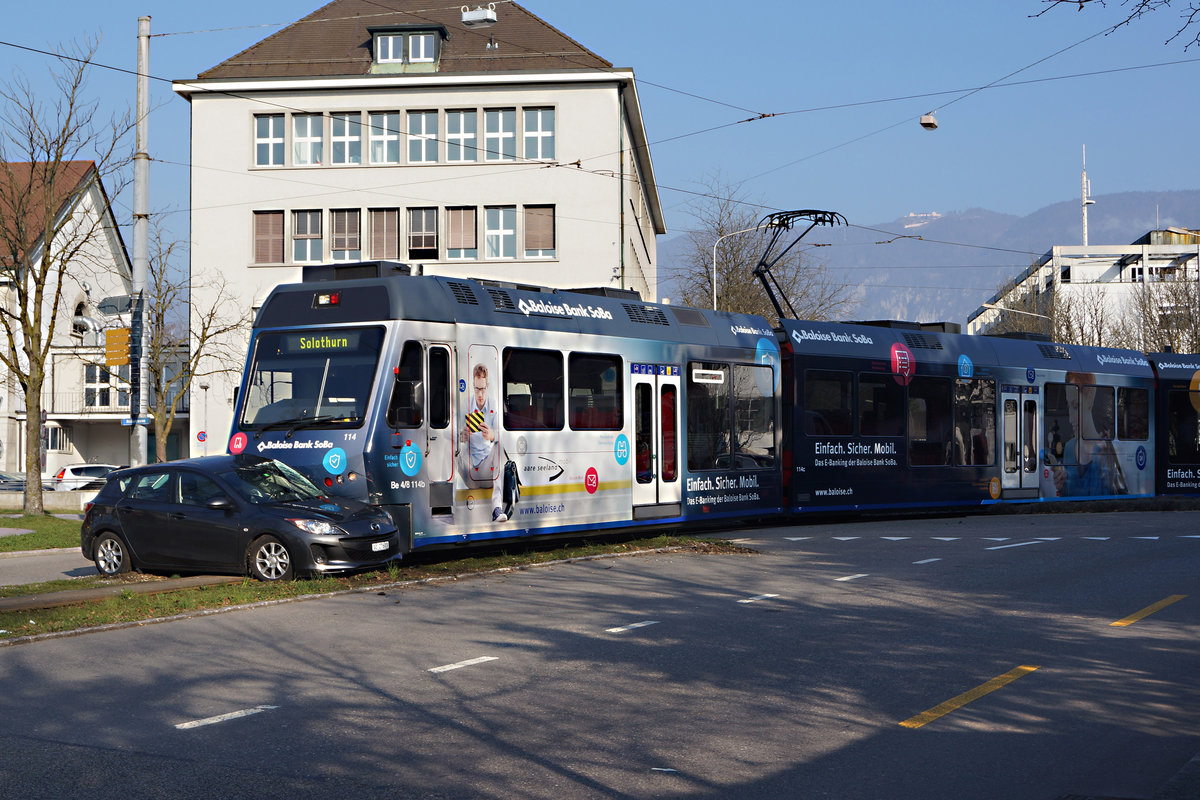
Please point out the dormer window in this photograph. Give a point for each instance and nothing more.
(402, 48)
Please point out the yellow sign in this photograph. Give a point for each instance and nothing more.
(116, 347)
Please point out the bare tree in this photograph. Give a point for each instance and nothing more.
(1024, 311)
(171, 365)
(1085, 316)
(1163, 315)
(56, 155)
(1189, 14)
(726, 220)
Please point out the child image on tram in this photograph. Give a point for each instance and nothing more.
(483, 466)
(1080, 428)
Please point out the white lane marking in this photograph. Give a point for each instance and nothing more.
(245, 712)
(662, 769)
(1097, 538)
(1049, 538)
(1155, 538)
(758, 597)
(797, 538)
(896, 538)
(852, 577)
(624, 628)
(468, 663)
(846, 538)
(946, 538)
(995, 538)
(1018, 544)
(1189, 537)
(927, 561)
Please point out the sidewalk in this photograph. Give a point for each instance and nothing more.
(68, 597)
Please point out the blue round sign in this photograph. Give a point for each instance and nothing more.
(621, 449)
(335, 461)
(1141, 457)
(462, 384)
(410, 459)
(1030, 374)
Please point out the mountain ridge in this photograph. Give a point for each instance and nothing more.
(940, 266)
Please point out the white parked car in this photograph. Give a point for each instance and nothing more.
(81, 476)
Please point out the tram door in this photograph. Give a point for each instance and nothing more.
(656, 438)
(1019, 422)
(440, 443)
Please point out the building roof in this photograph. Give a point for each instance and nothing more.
(335, 40)
(23, 187)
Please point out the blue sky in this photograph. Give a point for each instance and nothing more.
(821, 68)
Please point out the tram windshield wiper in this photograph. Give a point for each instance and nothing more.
(296, 423)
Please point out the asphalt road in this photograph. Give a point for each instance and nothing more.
(47, 565)
(950, 658)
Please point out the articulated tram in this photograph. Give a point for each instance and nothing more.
(474, 412)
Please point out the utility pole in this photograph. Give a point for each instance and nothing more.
(141, 250)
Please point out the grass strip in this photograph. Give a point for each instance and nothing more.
(132, 606)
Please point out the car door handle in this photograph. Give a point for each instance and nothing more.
(178, 515)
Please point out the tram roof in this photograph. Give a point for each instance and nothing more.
(470, 302)
(848, 340)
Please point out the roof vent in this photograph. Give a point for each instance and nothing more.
(480, 17)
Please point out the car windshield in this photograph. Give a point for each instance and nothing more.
(311, 378)
(271, 482)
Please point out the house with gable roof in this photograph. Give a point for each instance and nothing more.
(509, 153)
(84, 400)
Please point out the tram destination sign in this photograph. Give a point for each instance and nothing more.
(335, 341)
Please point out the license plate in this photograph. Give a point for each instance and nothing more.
(378, 546)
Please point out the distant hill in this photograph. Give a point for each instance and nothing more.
(940, 267)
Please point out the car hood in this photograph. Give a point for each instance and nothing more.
(333, 509)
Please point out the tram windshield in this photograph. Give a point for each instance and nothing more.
(310, 378)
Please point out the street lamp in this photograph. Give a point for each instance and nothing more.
(757, 227)
(204, 386)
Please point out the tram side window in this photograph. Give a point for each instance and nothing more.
(439, 387)
(1010, 436)
(1133, 413)
(533, 389)
(1060, 423)
(753, 416)
(708, 426)
(828, 403)
(930, 413)
(1101, 422)
(405, 409)
(882, 406)
(1183, 427)
(974, 422)
(594, 391)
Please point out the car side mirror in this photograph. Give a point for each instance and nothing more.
(220, 503)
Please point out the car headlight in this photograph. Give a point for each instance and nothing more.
(317, 526)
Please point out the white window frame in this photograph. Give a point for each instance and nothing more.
(58, 438)
(345, 129)
(103, 385)
(389, 48)
(274, 140)
(497, 137)
(539, 139)
(422, 137)
(425, 44)
(423, 232)
(383, 137)
(547, 252)
(307, 145)
(500, 233)
(458, 137)
(304, 237)
(351, 238)
(455, 214)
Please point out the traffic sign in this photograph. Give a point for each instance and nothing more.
(116, 347)
(127, 422)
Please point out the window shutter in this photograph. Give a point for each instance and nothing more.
(345, 230)
(385, 233)
(268, 237)
(539, 227)
(462, 228)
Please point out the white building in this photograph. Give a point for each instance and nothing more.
(1118, 270)
(83, 401)
(508, 152)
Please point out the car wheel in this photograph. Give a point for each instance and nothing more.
(269, 560)
(111, 556)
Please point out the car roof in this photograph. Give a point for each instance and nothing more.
(203, 463)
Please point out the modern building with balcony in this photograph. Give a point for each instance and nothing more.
(483, 144)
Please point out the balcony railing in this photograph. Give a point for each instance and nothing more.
(91, 402)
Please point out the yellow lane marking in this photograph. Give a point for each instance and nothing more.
(1147, 611)
(966, 697)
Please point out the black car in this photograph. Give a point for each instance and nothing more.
(237, 514)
